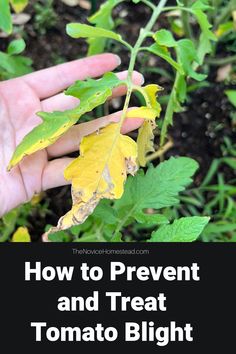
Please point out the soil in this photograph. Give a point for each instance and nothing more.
(198, 132)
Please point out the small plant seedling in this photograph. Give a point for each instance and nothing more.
(108, 156)
(12, 63)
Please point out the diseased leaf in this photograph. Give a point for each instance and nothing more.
(19, 5)
(145, 135)
(102, 18)
(159, 187)
(96, 176)
(142, 112)
(21, 235)
(91, 93)
(185, 229)
(5, 16)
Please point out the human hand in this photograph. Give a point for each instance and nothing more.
(20, 99)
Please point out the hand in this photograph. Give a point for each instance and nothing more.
(20, 99)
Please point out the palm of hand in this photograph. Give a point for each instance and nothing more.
(19, 103)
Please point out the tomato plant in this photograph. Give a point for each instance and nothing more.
(107, 156)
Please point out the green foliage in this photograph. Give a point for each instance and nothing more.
(144, 194)
(185, 229)
(45, 17)
(11, 63)
(92, 93)
(5, 12)
(103, 19)
(231, 94)
(5, 16)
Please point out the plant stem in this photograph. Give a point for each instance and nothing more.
(160, 152)
(142, 35)
(134, 52)
(148, 3)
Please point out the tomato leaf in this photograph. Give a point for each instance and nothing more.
(185, 229)
(96, 176)
(102, 18)
(91, 93)
(78, 30)
(145, 135)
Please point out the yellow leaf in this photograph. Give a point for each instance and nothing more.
(106, 157)
(146, 136)
(145, 141)
(21, 235)
(19, 5)
(142, 112)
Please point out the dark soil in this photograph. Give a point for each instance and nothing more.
(198, 132)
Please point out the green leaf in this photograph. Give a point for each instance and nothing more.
(91, 93)
(102, 18)
(150, 219)
(185, 229)
(165, 38)
(159, 187)
(231, 94)
(5, 16)
(187, 55)
(77, 30)
(13, 66)
(16, 47)
(207, 35)
(163, 53)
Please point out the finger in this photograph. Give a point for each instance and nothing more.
(62, 102)
(53, 173)
(70, 141)
(50, 81)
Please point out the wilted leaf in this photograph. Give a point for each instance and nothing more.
(21, 235)
(91, 93)
(99, 172)
(19, 5)
(145, 135)
(142, 112)
(185, 229)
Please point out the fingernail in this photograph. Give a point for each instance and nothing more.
(142, 80)
(118, 59)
